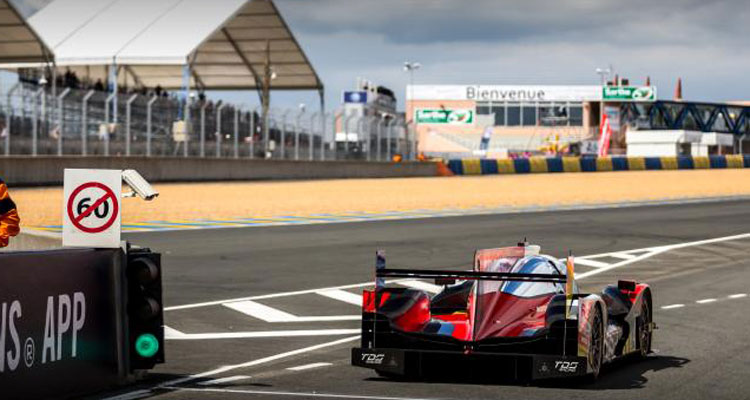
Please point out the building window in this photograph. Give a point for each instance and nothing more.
(514, 116)
(529, 115)
(499, 112)
(576, 115)
(483, 109)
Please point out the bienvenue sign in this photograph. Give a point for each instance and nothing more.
(512, 93)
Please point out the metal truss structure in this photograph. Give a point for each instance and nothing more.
(705, 117)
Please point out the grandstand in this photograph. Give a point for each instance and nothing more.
(108, 66)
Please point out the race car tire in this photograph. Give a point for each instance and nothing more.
(644, 333)
(596, 351)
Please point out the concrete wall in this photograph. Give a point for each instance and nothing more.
(39, 171)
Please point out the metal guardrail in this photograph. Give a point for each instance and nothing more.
(88, 123)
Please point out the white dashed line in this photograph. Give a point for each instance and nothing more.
(706, 301)
(309, 366)
(223, 380)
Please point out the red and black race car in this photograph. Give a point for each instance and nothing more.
(516, 311)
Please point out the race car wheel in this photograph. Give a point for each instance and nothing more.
(596, 349)
(644, 331)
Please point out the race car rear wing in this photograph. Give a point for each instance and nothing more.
(467, 275)
(447, 277)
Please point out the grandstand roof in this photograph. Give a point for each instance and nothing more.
(223, 41)
(18, 41)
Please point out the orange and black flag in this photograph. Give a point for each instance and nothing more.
(9, 220)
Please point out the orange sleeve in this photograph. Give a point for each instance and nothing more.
(9, 219)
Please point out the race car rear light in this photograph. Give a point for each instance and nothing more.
(368, 300)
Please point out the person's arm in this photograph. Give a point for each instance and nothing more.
(9, 220)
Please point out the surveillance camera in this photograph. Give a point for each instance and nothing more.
(139, 185)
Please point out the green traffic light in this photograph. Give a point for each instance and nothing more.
(146, 345)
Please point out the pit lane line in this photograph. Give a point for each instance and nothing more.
(137, 394)
(706, 301)
(296, 394)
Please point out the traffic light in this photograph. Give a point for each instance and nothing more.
(145, 314)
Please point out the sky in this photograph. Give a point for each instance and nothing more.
(518, 42)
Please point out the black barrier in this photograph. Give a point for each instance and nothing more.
(61, 323)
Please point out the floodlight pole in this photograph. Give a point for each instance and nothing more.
(265, 95)
(60, 121)
(113, 88)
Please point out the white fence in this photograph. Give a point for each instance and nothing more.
(33, 122)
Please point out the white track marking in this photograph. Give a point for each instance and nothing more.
(591, 263)
(341, 295)
(704, 301)
(309, 366)
(224, 380)
(738, 296)
(261, 334)
(170, 384)
(646, 253)
(171, 333)
(671, 306)
(420, 285)
(269, 296)
(622, 256)
(137, 394)
(260, 311)
(270, 314)
(266, 393)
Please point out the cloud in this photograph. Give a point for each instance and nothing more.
(518, 42)
(529, 42)
(634, 22)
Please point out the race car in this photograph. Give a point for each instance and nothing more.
(516, 313)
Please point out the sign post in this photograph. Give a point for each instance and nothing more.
(91, 208)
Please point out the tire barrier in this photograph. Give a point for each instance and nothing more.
(593, 164)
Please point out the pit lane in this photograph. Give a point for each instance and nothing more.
(701, 350)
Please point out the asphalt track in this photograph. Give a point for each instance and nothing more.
(702, 346)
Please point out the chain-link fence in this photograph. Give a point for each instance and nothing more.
(88, 123)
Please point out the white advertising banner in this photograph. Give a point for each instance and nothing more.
(512, 93)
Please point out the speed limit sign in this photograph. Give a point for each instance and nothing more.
(91, 208)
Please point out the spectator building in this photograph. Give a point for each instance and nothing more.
(450, 120)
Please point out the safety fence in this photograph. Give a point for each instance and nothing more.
(77, 122)
(593, 164)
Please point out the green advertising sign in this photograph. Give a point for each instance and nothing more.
(445, 116)
(629, 93)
